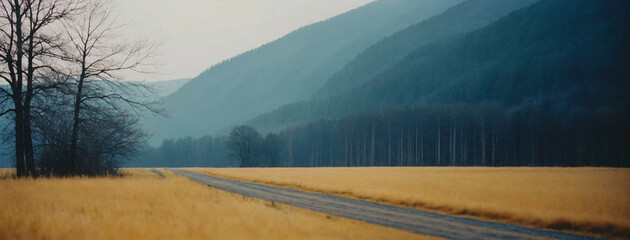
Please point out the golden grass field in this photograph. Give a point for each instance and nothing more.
(141, 205)
(584, 200)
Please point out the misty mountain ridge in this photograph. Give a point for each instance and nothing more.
(167, 87)
(568, 55)
(284, 71)
(462, 18)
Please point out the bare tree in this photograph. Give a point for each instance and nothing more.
(98, 55)
(43, 43)
(37, 56)
(26, 43)
(244, 142)
(107, 137)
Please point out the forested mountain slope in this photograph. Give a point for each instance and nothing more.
(287, 70)
(462, 18)
(569, 55)
(167, 87)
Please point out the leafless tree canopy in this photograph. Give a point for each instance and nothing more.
(63, 62)
(244, 141)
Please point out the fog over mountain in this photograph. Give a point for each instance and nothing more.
(284, 71)
(570, 55)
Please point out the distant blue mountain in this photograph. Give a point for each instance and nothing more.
(563, 55)
(462, 18)
(167, 87)
(284, 71)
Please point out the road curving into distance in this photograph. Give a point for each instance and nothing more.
(158, 173)
(426, 223)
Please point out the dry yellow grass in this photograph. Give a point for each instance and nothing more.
(587, 200)
(144, 206)
(7, 172)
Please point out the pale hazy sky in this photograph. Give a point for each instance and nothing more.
(197, 34)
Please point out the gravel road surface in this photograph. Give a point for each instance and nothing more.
(157, 172)
(426, 223)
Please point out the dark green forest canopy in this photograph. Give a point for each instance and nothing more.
(563, 53)
(437, 135)
(462, 18)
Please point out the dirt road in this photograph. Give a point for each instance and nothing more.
(416, 221)
(158, 173)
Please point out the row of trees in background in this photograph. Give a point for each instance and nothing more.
(462, 135)
(444, 135)
(71, 114)
(206, 151)
(245, 147)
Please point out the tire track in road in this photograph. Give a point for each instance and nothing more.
(426, 223)
(158, 173)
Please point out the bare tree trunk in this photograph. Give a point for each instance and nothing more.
(290, 149)
(454, 161)
(400, 148)
(474, 146)
(492, 146)
(19, 110)
(438, 148)
(372, 150)
(409, 149)
(462, 147)
(28, 135)
(389, 135)
(351, 157)
(532, 159)
(483, 143)
(75, 123)
(364, 159)
(465, 151)
(357, 161)
(495, 141)
(450, 145)
(415, 155)
(331, 154)
(19, 137)
(422, 146)
(346, 151)
(28, 142)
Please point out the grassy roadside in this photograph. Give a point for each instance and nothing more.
(583, 200)
(142, 205)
